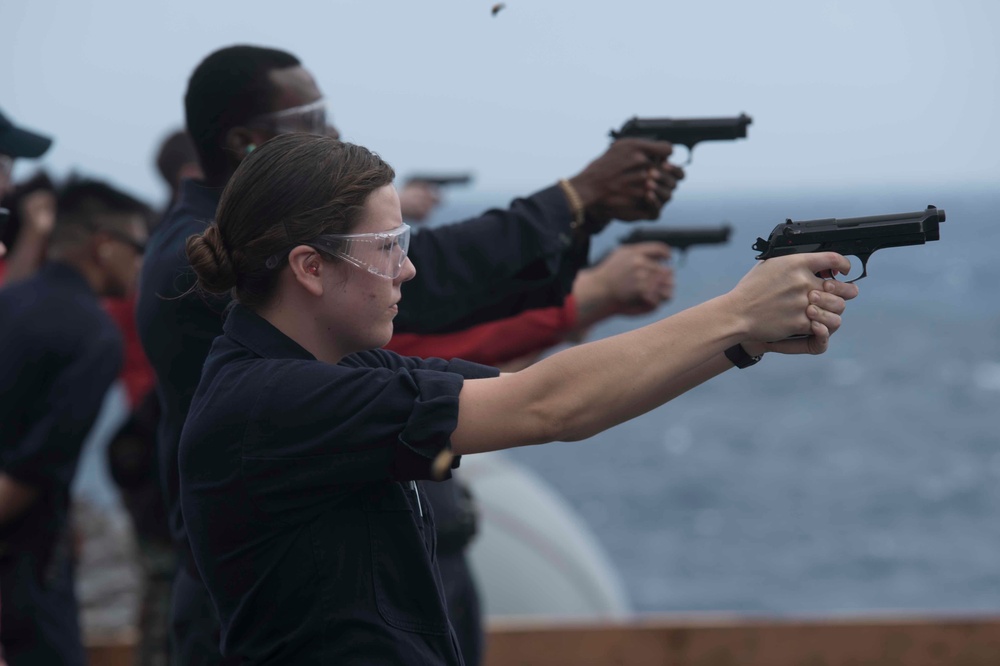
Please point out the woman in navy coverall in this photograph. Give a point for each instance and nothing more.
(302, 453)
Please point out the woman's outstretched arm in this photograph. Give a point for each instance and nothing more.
(581, 391)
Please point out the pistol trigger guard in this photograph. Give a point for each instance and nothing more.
(864, 268)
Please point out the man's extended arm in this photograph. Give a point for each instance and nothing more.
(632, 280)
(527, 256)
(493, 266)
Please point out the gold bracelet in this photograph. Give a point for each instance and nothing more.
(575, 204)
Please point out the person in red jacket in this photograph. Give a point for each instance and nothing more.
(631, 280)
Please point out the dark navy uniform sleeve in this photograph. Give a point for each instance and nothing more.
(493, 266)
(45, 453)
(319, 431)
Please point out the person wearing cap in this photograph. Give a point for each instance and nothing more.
(61, 353)
(34, 214)
(14, 142)
(17, 142)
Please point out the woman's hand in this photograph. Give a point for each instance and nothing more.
(782, 297)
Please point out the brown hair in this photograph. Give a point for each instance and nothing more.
(287, 192)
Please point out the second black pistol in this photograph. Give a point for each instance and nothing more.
(685, 131)
(680, 238)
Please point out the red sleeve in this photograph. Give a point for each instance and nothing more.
(137, 374)
(496, 341)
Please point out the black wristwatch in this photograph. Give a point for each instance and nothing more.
(740, 358)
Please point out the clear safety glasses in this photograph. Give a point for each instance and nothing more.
(309, 118)
(382, 253)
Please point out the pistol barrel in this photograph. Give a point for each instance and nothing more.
(856, 236)
(441, 179)
(680, 237)
(685, 131)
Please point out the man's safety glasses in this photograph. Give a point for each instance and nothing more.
(382, 253)
(309, 118)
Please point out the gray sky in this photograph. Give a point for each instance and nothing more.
(847, 95)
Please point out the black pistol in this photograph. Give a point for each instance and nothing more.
(685, 131)
(680, 237)
(855, 236)
(441, 179)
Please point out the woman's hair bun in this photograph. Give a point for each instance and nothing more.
(210, 261)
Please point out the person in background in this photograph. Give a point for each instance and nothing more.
(61, 353)
(31, 214)
(132, 459)
(630, 280)
(132, 456)
(17, 142)
(134, 468)
(418, 199)
(493, 266)
(304, 516)
(177, 161)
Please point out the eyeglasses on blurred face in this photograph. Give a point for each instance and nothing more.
(309, 118)
(137, 246)
(382, 253)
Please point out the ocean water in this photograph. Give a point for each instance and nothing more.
(866, 479)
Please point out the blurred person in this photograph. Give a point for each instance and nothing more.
(134, 468)
(177, 161)
(4, 216)
(61, 353)
(33, 212)
(421, 193)
(496, 265)
(36, 210)
(418, 199)
(631, 280)
(305, 518)
(17, 142)
(131, 452)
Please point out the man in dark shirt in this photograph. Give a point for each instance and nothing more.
(482, 269)
(61, 353)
